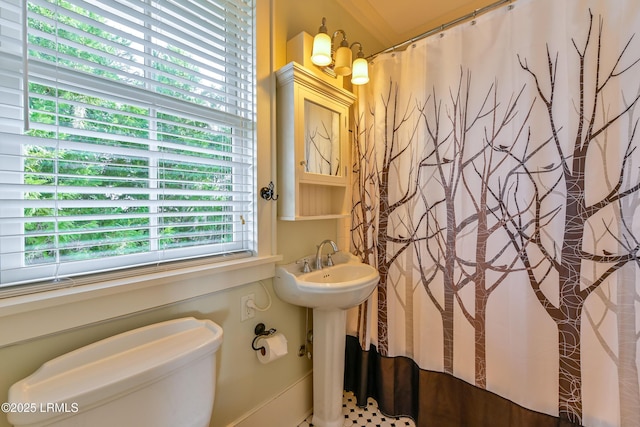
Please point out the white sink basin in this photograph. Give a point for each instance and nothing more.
(344, 285)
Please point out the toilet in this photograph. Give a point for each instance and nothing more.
(161, 375)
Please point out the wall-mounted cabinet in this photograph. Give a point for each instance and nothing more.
(313, 146)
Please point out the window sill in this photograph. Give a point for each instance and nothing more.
(57, 310)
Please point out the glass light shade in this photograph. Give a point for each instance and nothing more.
(360, 74)
(343, 61)
(321, 52)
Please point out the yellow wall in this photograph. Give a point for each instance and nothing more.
(243, 383)
(291, 18)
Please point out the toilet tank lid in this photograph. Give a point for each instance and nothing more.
(116, 364)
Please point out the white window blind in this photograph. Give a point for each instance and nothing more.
(126, 134)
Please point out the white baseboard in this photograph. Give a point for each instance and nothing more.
(288, 409)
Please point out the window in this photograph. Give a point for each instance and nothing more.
(126, 134)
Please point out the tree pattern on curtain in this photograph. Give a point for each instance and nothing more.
(459, 193)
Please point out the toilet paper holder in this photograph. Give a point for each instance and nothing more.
(261, 332)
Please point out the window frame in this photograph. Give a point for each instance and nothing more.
(250, 232)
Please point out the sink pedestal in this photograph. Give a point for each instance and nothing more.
(329, 330)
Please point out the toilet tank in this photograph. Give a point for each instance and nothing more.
(161, 375)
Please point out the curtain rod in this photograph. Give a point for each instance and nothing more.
(442, 27)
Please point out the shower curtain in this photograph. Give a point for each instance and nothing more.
(496, 189)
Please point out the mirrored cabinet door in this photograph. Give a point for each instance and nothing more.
(322, 145)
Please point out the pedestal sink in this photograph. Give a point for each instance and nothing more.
(329, 291)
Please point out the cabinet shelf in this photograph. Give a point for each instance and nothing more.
(312, 218)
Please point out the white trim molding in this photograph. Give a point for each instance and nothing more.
(287, 409)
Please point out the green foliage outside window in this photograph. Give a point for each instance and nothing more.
(95, 230)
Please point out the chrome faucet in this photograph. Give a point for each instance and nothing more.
(319, 252)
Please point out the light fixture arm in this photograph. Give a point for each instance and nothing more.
(360, 53)
(344, 41)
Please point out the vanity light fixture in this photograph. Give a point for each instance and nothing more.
(339, 64)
